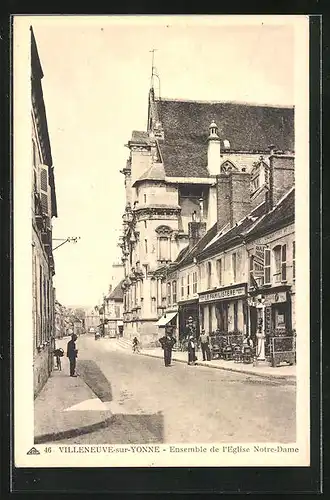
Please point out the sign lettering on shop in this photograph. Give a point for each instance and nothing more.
(223, 294)
(258, 261)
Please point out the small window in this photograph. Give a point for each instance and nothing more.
(277, 263)
(234, 265)
(294, 260)
(168, 294)
(163, 248)
(182, 287)
(145, 224)
(267, 267)
(209, 274)
(188, 285)
(194, 282)
(174, 292)
(146, 246)
(145, 198)
(219, 271)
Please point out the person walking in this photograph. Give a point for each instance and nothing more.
(205, 345)
(167, 342)
(191, 351)
(72, 353)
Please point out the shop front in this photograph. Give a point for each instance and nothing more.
(271, 319)
(188, 319)
(168, 320)
(224, 310)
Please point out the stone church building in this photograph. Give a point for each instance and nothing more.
(171, 188)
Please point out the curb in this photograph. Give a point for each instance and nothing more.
(287, 378)
(71, 433)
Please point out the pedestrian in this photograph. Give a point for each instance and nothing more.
(205, 345)
(191, 351)
(72, 354)
(167, 342)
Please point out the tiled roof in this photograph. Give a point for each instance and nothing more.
(154, 173)
(188, 256)
(247, 127)
(140, 137)
(282, 214)
(117, 293)
(229, 237)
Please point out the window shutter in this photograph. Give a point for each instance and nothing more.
(267, 266)
(44, 191)
(283, 263)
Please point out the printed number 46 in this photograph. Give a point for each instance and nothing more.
(48, 449)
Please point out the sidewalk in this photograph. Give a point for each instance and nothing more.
(287, 373)
(55, 420)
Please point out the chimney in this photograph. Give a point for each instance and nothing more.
(233, 198)
(196, 231)
(213, 150)
(281, 177)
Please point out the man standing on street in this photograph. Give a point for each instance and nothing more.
(167, 342)
(205, 346)
(72, 353)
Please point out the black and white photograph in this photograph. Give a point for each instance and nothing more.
(161, 241)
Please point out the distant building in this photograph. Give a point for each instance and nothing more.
(43, 210)
(172, 196)
(114, 311)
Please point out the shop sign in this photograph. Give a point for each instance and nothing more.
(275, 298)
(258, 261)
(228, 293)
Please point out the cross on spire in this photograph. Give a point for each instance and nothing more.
(152, 65)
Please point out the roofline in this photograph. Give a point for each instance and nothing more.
(190, 180)
(239, 103)
(254, 226)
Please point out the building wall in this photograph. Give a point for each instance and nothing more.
(43, 299)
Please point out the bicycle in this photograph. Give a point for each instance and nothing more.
(136, 349)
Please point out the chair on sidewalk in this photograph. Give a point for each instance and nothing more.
(237, 353)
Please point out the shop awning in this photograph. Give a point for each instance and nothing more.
(166, 318)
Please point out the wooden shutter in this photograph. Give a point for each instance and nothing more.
(44, 191)
(283, 263)
(267, 267)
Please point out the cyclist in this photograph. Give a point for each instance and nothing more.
(135, 344)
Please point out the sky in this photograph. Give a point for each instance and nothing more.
(96, 83)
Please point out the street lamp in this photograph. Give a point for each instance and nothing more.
(69, 239)
(260, 328)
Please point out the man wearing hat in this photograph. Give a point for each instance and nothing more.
(167, 342)
(72, 353)
(205, 346)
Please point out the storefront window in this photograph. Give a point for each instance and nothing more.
(235, 316)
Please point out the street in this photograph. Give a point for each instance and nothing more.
(152, 403)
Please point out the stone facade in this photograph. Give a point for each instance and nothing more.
(171, 180)
(43, 209)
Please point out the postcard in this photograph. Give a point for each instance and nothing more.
(161, 241)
